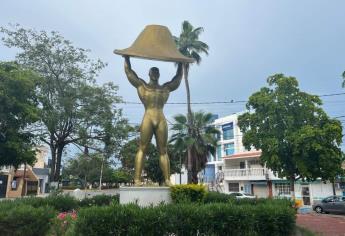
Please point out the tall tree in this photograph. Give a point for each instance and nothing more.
(343, 80)
(297, 138)
(18, 110)
(202, 142)
(74, 109)
(189, 45)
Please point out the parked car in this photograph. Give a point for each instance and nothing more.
(335, 204)
(240, 195)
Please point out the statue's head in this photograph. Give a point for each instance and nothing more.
(154, 73)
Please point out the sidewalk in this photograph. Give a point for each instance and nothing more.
(322, 224)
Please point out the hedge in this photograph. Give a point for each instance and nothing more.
(185, 193)
(18, 219)
(213, 197)
(62, 203)
(187, 219)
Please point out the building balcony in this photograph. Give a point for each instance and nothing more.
(246, 174)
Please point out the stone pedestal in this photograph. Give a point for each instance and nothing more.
(145, 196)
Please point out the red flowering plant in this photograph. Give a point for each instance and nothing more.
(64, 223)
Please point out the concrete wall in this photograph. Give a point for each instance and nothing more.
(175, 178)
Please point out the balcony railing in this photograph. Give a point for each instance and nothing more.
(250, 172)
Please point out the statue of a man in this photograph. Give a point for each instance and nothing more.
(153, 96)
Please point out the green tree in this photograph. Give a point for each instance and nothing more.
(74, 109)
(121, 176)
(17, 111)
(87, 168)
(189, 45)
(297, 138)
(202, 141)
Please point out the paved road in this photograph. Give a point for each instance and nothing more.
(323, 224)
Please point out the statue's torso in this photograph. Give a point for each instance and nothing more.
(153, 98)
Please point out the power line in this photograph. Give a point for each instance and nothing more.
(223, 102)
(331, 95)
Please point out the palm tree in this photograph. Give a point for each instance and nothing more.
(201, 141)
(189, 45)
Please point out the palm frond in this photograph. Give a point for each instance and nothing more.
(196, 56)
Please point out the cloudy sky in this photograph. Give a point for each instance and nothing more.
(249, 40)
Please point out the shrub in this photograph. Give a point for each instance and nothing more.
(100, 200)
(19, 219)
(63, 202)
(185, 193)
(59, 202)
(212, 197)
(260, 201)
(187, 219)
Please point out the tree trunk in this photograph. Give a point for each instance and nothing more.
(24, 182)
(58, 162)
(292, 187)
(194, 167)
(53, 163)
(333, 187)
(189, 123)
(100, 177)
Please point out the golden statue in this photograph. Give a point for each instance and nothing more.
(156, 43)
(154, 97)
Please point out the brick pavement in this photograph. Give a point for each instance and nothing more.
(323, 224)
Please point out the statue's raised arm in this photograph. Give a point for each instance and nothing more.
(131, 75)
(175, 82)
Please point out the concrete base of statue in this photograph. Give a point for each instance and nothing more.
(145, 196)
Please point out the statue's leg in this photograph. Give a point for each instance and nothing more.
(161, 134)
(146, 132)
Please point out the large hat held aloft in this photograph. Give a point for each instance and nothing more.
(155, 42)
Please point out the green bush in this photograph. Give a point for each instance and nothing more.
(99, 200)
(20, 219)
(260, 201)
(185, 193)
(212, 197)
(59, 202)
(187, 219)
(62, 202)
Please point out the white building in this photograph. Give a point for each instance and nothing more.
(235, 169)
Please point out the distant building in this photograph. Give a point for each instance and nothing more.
(235, 169)
(37, 178)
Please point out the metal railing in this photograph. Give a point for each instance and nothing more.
(245, 172)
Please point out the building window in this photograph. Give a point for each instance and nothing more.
(218, 136)
(234, 187)
(242, 165)
(14, 183)
(228, 131)
(282, 188)
(229, 149)
(219, 153)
